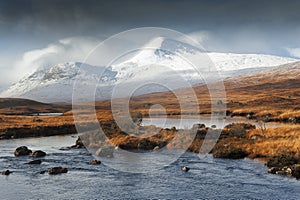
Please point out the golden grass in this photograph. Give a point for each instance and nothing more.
(284, 139)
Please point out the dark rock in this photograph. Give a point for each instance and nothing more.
(38, 153)
(273, 170)
(287, 171)
(229, 152)
(280, 172)
(95, 162)
(34, 162)
(106, 151)
(296, 171)
(6, 172)
(185, 169)
(282, 160)
(228, 112)
(146, 144)
(22, 151)
(57, 170)
(78, 144)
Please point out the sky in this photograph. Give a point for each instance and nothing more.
(40, 32)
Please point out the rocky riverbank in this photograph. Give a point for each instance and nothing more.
(235, 141)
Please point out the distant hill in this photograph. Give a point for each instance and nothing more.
(18, 106)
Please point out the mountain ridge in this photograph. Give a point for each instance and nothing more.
(158, 62)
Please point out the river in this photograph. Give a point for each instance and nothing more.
(208, 177)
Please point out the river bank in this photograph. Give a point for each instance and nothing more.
(236, 140)
(208, 178)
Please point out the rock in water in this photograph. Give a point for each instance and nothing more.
(57, 170)
(95, 162)
(78, 144)
(296, 171)
(6, 172)
(185, 169)
(282, 160)
(106, 151)
(273, 170)
(156, 148)
(22, 151)
(38, 153)
(34, 162)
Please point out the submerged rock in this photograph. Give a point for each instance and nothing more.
(95, 162)
(185, 169)
(78, 144)
(22, 151)
(38, 153)
(6, 172)
(34, 162)
(57, 170)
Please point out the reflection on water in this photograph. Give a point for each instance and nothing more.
(187, 122)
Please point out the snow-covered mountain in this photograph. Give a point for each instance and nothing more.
(55, 84)
(163, 62)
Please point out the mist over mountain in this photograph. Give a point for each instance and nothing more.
(167, 65)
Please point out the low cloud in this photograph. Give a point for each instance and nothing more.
(244, 40)
(295, 52)
(64, 50)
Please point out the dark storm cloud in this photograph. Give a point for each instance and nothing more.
(95, 15)
(29, 29)
(237, 26)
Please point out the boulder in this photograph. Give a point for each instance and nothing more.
(34, 162)
(273, 170)
(282, 160)
(38, 153)
(106, 151)
(146, 144)
(185, 169)
(296, 171)
(285, 171)
(78, 144)
(95, 162)
(57, 170)
(22, 151)
(6, 172)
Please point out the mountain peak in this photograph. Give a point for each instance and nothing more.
(55, 83)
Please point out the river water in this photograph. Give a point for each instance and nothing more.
(188, 121)
(208, 177)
